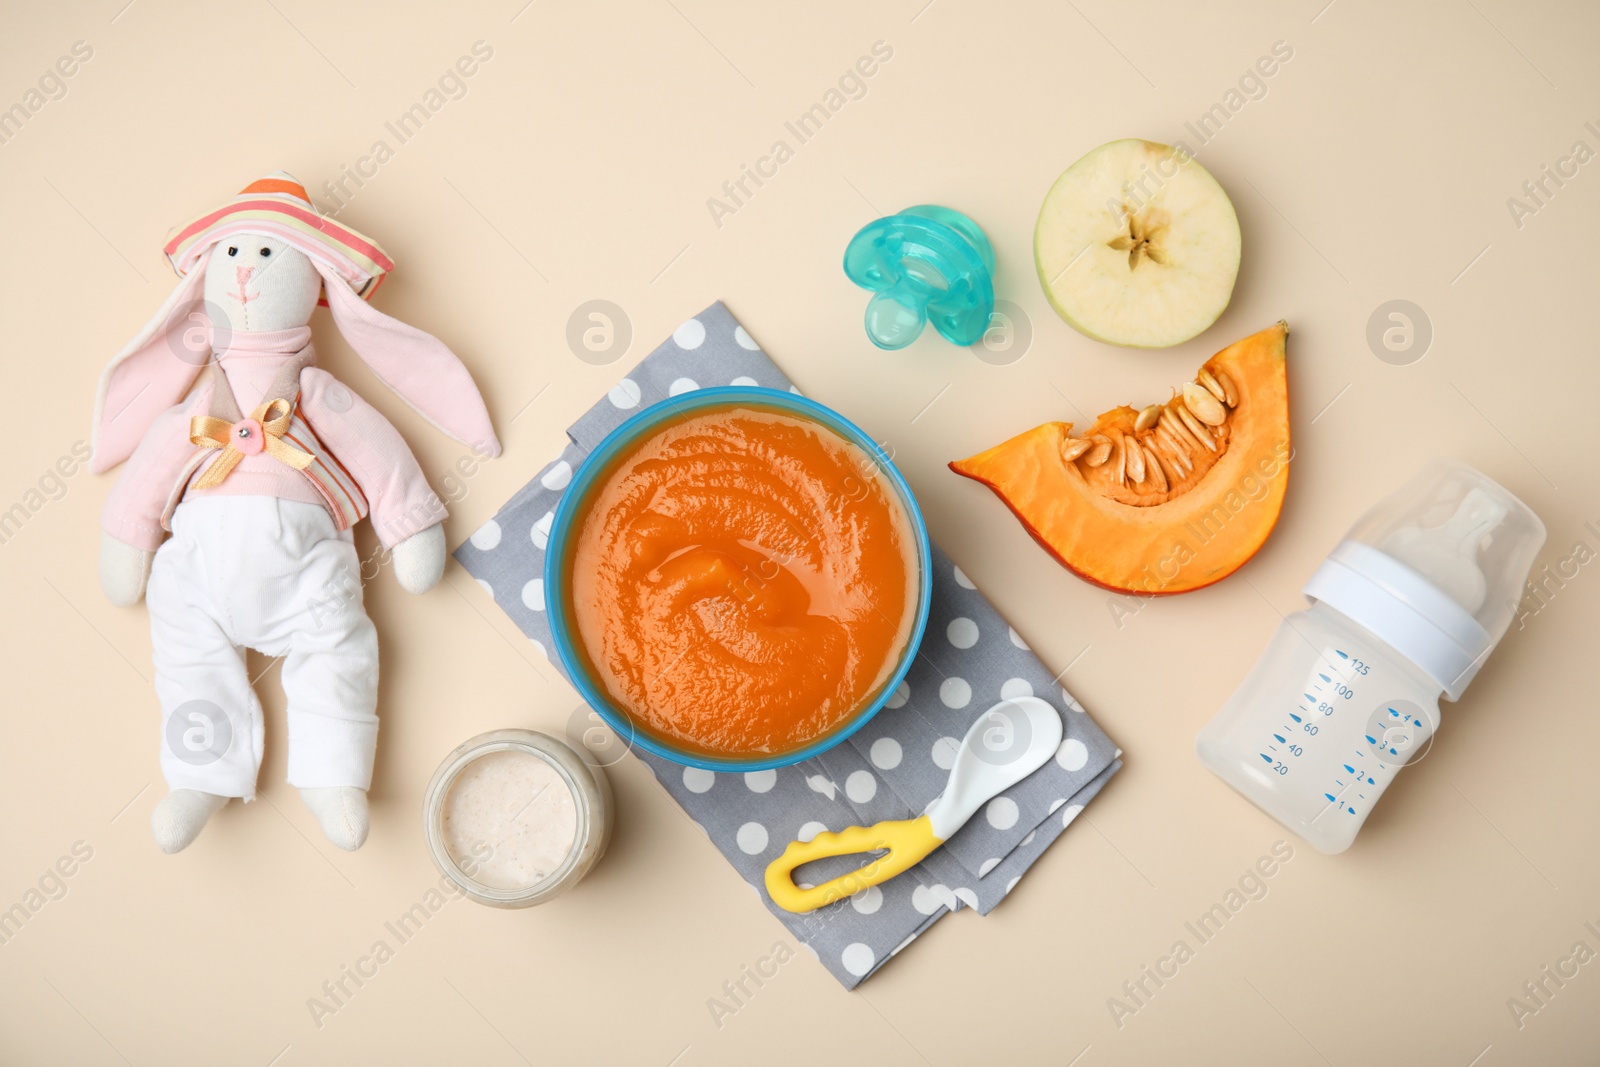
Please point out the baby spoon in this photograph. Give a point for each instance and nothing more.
(1008, 742)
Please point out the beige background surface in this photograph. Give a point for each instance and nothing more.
(577, 166)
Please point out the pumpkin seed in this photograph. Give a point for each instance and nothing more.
(1073, 447)
(1203, 405)
(1230, 394)
(1134, 459)
(1152, 466)
(1179, 425)
(1147, 418)
(1099, 453)
(1164, 434)
(1195, 427)
(1213, 386)
(1177, 471)
(1175, 450)
(1164, 440)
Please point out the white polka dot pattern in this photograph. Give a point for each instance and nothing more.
(1002, 813)
(858, 958)
(955, 692)
(1016, 687)
(1072, 755)
(962, 632)
(625, 394)
(752, 838)
(558, 476)
(690, 335)
(487, 537)
(861, 786)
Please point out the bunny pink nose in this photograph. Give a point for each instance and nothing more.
(241, 275)
(248, 436)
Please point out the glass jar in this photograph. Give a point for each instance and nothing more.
(516, 818)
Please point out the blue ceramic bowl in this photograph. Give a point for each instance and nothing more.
(573, 506)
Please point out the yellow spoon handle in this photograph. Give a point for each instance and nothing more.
(907, 841)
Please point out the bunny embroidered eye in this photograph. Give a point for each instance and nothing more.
(266, 251)
(233, 250)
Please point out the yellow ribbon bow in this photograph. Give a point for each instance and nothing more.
(261, 432)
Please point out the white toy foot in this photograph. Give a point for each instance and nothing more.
(124, 571)
(342, 811)
(180, 817)
(419, 559)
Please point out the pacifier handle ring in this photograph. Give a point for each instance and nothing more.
(892, 321)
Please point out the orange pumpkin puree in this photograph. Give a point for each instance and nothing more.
(743, 581)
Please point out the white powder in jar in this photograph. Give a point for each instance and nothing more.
(509, 820)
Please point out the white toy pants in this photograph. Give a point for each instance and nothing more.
(276, 576)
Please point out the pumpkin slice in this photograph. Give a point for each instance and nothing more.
(1161, 499)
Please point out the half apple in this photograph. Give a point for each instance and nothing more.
(1137, 245)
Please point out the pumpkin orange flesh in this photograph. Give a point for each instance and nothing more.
(1203, 529)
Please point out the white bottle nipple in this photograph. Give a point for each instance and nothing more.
(1447, 554)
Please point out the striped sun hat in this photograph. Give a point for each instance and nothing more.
(277, 206)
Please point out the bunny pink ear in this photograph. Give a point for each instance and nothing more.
(415, 365)
(152, 372)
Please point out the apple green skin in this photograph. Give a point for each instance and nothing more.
(1049, 291)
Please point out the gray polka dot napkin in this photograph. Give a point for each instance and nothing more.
(893, 767)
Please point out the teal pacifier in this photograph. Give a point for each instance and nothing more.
(926, 264)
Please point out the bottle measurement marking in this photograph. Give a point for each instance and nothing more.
(1342, 689)
(1383, 745)
(1321, 700)
(1335, 801)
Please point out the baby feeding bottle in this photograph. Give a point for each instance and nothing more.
(1406, 608)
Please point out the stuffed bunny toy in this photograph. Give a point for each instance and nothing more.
(247, 467)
